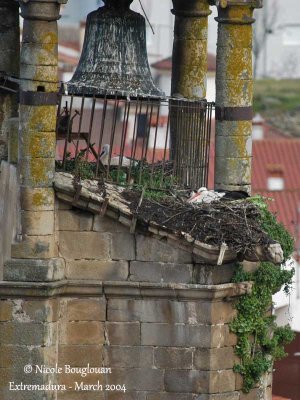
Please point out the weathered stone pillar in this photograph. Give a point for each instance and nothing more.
(189, 69)
(189, 66)
(234, 93)
(9, 66)
(38, 100)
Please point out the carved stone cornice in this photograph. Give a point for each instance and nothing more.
(41, 10)
(227, 3)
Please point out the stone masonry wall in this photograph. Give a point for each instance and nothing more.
(160, 349)
(128, 303)
(100, 248)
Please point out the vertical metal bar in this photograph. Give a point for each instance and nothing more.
(189, 139)
(113, 130)
(182, 135)
(124, 132)
(149, 131)
(123, 137)
(206, 156)
(58, 113)
(143, 145)
(145, 133)
(199, 142)
(174, 106)
(90, 128)
(133, 140)
(203, 139)
(67, 134)
(195, 149)
(165, 150)
(104, 108)
(79, 126)
(193, 140)
(205, 128)
(210, 109)
(137, 123)
(155, 140)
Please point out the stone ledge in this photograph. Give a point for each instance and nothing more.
(34, 270)
(123, 290)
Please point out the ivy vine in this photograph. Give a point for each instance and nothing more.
(260, 340)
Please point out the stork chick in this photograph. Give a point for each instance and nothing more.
(203, 195)
(114, 161)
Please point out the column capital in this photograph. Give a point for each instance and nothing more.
(236, 12)
(191, 8)
(228, 3)
(42, 10)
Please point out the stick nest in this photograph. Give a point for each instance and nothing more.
(237, 223)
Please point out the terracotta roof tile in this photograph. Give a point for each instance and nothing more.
(282, 152)
(268, 156)
(278, 157)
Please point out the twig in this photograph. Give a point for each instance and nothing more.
(134, 219)
(190, 232)
(175, 215)
(157, 203)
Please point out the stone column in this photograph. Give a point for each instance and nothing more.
(190, 48)
(234, 93)
(189, 70)
(38, 105)
(9, 66)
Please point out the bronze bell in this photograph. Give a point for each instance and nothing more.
(114, 57)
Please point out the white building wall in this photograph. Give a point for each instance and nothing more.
(280, 57)
(76, 10)
(287, 306)
(160, 43)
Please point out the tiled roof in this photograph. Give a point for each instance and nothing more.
(271, 157)
(283, 153)
(285, 205)
(166, 63)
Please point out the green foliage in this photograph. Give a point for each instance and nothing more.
(156, 183)
(260, 340)
(143, 175)
(273, 228)
(78, 166)
(279, 95)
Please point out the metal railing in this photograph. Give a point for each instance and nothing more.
(154, 142)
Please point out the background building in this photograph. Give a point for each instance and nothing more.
(279, 55)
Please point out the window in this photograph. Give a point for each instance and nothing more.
(257, 132)
(275, 184)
